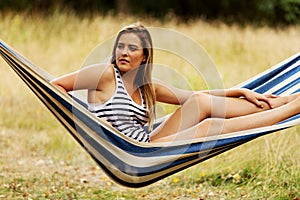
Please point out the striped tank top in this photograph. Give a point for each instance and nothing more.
(123, 113)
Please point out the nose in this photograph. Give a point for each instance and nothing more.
(125, 51)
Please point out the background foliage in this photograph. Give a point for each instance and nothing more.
(40, 160)
(271, 12)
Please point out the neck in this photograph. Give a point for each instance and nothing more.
(129, 78)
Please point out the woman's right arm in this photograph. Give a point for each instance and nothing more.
(86, 78)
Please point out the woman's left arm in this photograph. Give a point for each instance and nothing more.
(169, 94)
(172, 95)
(250, 95)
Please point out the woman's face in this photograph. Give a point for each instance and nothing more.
(129, 52)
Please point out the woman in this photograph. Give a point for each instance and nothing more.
(124, 94)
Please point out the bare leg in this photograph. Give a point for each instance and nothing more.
(191, 116)
(256, 120)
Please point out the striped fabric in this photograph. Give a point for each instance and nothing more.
(123, 113)
(134, 164)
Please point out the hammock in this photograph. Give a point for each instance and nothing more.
(134, 164)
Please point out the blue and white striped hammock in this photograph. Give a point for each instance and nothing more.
(134, 164)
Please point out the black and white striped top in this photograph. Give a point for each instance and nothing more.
(123, 113)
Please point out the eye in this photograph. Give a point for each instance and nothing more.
(133, 48)
(120, 46)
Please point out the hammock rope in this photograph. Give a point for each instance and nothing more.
(134, 164)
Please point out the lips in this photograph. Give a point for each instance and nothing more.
(122, 60)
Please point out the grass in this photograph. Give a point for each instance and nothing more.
(39, 160)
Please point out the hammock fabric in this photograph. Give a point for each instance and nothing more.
(134, 164)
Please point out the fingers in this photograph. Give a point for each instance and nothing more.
(271, 96)
(267, 99)
(258, 100)
(258, 103)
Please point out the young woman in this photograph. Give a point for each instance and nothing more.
(124, 94)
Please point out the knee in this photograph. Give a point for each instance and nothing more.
(200, 98)
(207, 99)
(211, 126)
(203, 102)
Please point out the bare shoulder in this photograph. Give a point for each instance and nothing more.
(92, 77)
(104, 76)
(101, 80)
(107, 73)
(97, 68)
(101, 71)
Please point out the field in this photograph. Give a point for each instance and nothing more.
(40, 160)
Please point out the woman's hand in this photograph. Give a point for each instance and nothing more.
(253, 97)
(257, 98)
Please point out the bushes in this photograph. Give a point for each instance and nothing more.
(272, 12)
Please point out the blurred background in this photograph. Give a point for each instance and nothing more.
(40, 160)
(272, 12)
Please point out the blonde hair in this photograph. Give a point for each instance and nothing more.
(143, 78)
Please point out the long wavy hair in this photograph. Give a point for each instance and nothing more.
(143, 79)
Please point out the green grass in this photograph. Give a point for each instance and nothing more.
(40, 160)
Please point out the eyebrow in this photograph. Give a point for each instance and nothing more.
(129, 44)
(133, 45)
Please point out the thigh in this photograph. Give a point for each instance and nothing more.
(236, 107)
(207, 127)
(197, 108)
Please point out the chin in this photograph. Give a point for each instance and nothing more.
(125, 68)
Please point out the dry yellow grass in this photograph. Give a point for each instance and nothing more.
(60, 43)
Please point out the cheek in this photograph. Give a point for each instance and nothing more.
(117, 53)
(137, 61)
(138, 57)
